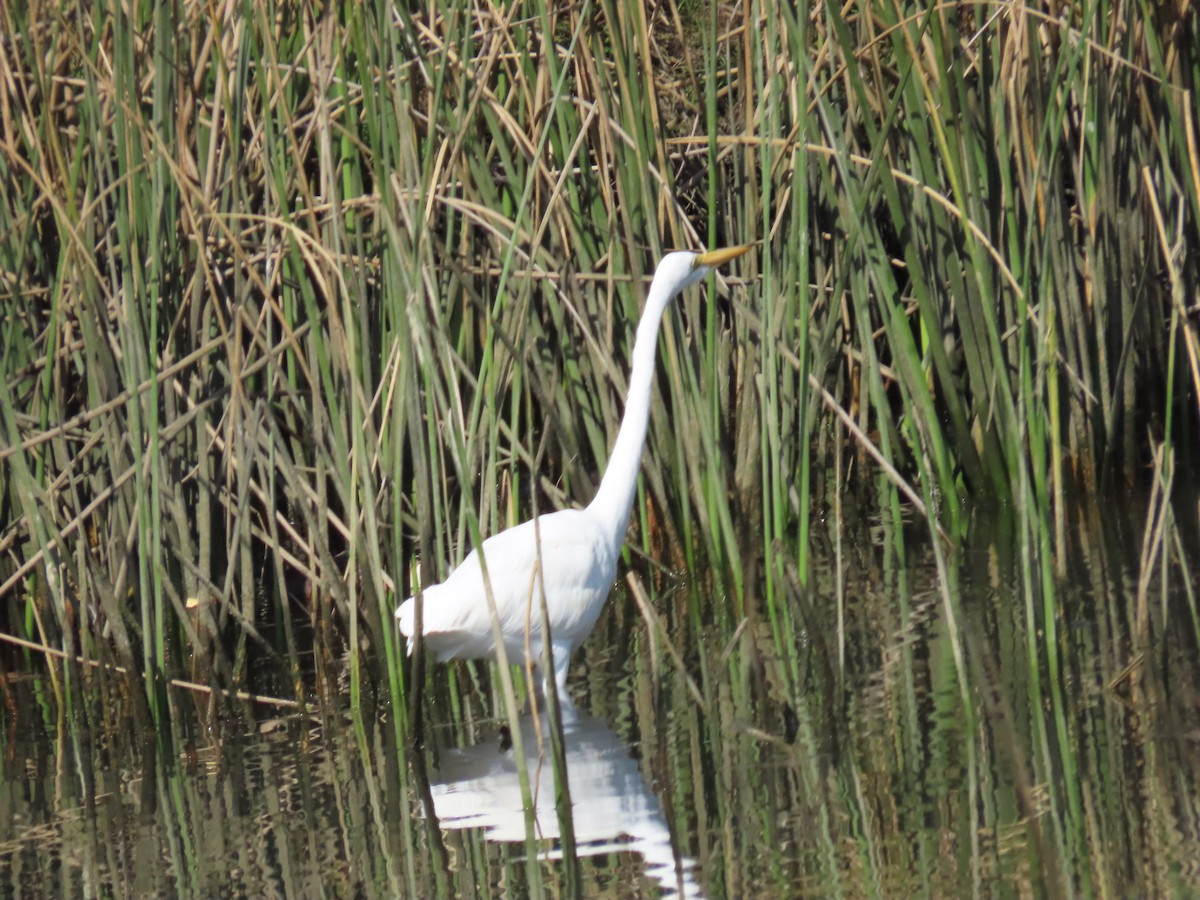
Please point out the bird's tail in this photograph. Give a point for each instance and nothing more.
(405, 615)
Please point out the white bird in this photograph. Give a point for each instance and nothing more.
(579, 547)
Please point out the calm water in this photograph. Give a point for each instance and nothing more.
(936, 750)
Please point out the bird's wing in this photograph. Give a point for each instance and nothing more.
(572, 554)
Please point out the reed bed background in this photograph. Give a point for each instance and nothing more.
(295, 300)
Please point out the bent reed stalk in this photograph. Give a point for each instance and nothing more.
(286, 297)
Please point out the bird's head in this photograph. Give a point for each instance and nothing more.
(683, 268)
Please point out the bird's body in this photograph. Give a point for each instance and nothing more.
(578, 566)
(578, 548)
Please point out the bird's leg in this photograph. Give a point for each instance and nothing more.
(566, 706)
(541, 684)
(560, 680)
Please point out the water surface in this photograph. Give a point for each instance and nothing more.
(935, 746)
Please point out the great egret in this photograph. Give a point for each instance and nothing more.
(579, 547)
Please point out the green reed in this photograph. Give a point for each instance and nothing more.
(300, 307)
(769, 796)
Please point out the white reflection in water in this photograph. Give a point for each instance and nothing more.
(614, 810)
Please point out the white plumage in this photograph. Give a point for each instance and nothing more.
(578, 547)
(578, 565)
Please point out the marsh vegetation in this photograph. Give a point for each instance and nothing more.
(298, 303)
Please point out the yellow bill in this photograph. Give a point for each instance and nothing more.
(720, 257)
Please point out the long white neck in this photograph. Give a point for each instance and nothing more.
(614, 499)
